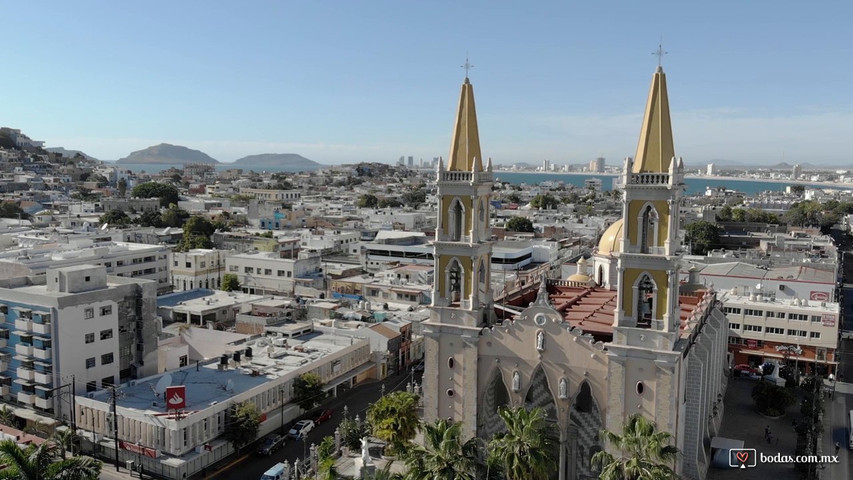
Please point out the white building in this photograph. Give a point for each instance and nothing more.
(268, 273)
(197, 268)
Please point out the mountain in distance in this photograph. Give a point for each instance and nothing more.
(277, 161)
(167, 154)
(69, 153)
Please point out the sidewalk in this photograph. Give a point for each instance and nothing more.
(835, 420)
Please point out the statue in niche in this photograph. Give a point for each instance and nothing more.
(564, 389)
(516, 381)
(540, 340)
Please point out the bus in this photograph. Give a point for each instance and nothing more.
(850, 430)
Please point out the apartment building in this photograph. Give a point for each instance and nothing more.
(197, 268)
(271, 195)
(73, 322)
(268, 274)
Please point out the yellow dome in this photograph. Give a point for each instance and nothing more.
(610, 240)
(578, 277)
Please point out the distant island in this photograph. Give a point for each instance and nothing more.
(278, 161)
(167, 154)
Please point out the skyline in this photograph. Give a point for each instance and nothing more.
(342, 83)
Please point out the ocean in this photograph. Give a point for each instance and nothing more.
(695, 186)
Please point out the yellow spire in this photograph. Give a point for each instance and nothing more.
(465, 146)
(655, 150)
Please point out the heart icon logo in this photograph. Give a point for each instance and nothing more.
(742, 457)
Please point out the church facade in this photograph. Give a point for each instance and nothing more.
(592, 349)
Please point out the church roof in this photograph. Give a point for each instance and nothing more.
(655, 149)
(610, 239)
(465, 146)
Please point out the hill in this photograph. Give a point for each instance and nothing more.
(277, 161)
(69, 153)
(167, 154)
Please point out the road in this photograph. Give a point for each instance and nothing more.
(251, 466)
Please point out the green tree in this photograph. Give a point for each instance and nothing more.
(513, 198)
(151, 219)
(389, 202)
(326, 459)
(394, 419)
(725, 214)
(122, 187)
(115, 217)
(167, 194)
(645, 453)
(174, 216)
(40, 463)
(702, 236)
(101, 180)
(519, 224)
(443, 455)
(197, 232)
(414, 198)
(308, 390)
(65, 439)
(9, 209)
(230, 282)
(7, 416)
(544, 201)
(352, 432)
(738, 215)
(242, 425)
(771, 399)
(367, 200)
(527, 450)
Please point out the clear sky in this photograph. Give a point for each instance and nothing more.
(754, 82)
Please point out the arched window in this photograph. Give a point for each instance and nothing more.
(454, 281)
(457, 220)
(482, 212)
(648, 235)
(645, 301)
(601, 275)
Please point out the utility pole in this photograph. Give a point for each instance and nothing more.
(113, 395)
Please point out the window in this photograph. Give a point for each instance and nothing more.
(267, 271)
(798, 316)
(734, 340)
(733, 310)
(248, 270)
(106, 334)
(176, 263)
(107, 382)
(203, 264)
(797, 333)
(108, 310)
(753, 313)
(776, 330)
(734, 326)
(91, 386)
(816, 318)
(188, 265)
(232, 268)
(90, 338)
(751, 328)
(90, 362)
(89, 313)
(87, 278)
(280, 273)
(107, 358)
(814, 334)
(289, 274)
(775, 314)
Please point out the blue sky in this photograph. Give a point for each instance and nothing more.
(346, 81)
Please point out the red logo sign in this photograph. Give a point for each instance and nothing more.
(819, 296)
(139, 449)
(828, 320)
(176, 397)
(751, 343)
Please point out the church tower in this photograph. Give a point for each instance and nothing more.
(647, 318)
(461, 296)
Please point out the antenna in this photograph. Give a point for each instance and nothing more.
(164, 382)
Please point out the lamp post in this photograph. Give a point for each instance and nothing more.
(139, 457)
(281, 408)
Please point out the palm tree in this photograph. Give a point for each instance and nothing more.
(64, 439)
(443, 456)
(527, 450)
(7, 416)
(645, 453)
(40, 463)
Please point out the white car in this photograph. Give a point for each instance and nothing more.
(301, 428)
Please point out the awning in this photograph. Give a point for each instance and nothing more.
(348, 375)
(35, 417)
(801, 358)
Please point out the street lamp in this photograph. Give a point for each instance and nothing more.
(139, 457)
(281, 407)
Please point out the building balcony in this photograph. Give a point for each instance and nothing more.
(45, 403)
(23, 324)
(41, 328)
(25, 373)
(5, 390)
(24, 349)
(43, 378)
(26, 398)
(42, 353)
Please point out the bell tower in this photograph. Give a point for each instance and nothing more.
(461, 297)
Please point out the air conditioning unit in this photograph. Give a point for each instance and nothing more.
(132, 383)
(90, 395)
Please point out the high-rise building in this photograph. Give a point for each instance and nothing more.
(411, 161)
(709, 169)
(597, 165)
(796, 171)
(546, 165)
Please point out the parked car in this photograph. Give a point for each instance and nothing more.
(748, 370)
(270, 444)
(323, 416)
(301, 428)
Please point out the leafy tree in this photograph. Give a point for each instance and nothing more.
(519, 224)
(725, 214)
(122, 187)
(308, 390)
(242, 426)
(771, 399)
(367, 201)
(645, 453)
(115, 217)
(230, 282)
(394, 419)
(7, 416)
(387, 202)
(738, 215)
(544, 201)
(414, 198)
(167, 194)
(444, 455)
(326, 459)
(65, 440)
(352, 432)
(101, 180)
(40, 463)
(10, 209)
(702, 236)
(527, 450)
(174, 216)
(513, 198)
(151, 219)
(198, 225)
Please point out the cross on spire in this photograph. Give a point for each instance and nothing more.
(660, 52)
(467, 66)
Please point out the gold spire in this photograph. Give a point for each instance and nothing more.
(655, 150)
(465, 146)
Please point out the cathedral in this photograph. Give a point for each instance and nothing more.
(619, 337)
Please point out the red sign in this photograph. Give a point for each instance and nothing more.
(828, 320)
(819, 296)
(751, 343)
(139, 449)
(176, 397)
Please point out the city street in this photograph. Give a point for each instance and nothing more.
(250, 465)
